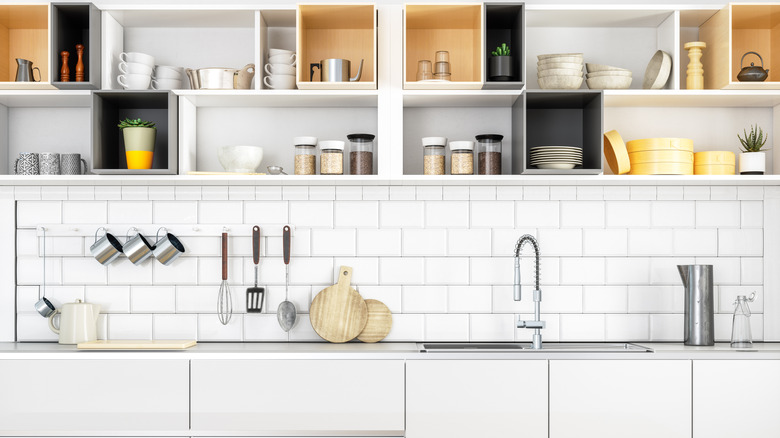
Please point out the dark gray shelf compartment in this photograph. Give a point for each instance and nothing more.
(564, 118)
(505, 22)
(109, 107)
(71, 24)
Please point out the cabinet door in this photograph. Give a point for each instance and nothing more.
(298, 396)
(476, 398)
(94, 395)
(619, 398)
(736, 398)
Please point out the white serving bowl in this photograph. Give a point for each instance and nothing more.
(559, 55)
(560, 82)
(609, 82)
(571, 59)
(240, 159)
(596, 74)
(601, 67)
(569, 65)
(559, 72)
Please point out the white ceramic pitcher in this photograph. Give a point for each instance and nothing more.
(78, 322)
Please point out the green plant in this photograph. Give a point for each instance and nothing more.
(137, 123)
(754, 141)
(502, 50)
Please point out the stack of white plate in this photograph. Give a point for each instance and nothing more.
(559, 71)
(556, 157)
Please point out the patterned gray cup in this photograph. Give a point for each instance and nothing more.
(70, 164)
(49, 163)
(26, 164)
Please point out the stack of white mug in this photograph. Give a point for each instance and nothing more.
(280, 70)
(136, 70)
(167, 77)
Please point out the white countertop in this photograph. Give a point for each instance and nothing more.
(385, 350)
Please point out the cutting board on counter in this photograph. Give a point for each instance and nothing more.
(126, 344)
(380, 321)
(338, 313)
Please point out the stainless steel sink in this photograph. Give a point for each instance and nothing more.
(549, 347)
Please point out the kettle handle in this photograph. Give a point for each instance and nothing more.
(39, 74)
(311, 70)
(748, 53)
(51, 322)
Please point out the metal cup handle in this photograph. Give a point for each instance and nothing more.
(105, 231)
(157, 235)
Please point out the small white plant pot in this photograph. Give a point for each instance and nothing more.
(752, 163)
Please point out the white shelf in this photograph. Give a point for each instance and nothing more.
(147, 16)
(460, 98)
(597, 15)
(692, 98)
(46, 98)
(280, 98)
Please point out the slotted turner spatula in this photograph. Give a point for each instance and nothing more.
(255, 295)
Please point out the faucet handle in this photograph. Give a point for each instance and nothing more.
(531, 324)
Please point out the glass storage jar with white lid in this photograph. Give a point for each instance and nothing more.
(331, 157)
(305, 155)
(433, 155)
(361, 154)
(489, 154)
(462, 157)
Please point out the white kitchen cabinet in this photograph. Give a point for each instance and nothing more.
(619, 398)
(734, 398)
(476, 398)
(40, 396)
(303, 397)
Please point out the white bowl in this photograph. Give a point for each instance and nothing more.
(597, 74)
(569, 65)
(601, 67)
(609, 82)
(572, 59)
(240, 159)
(559, 55)
(658, 70)
(559, 72)
(560, 82)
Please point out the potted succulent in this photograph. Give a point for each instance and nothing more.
(501, 64)
(752, 161)
(139, 138)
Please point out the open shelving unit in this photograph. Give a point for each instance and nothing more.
(24, 33)
(505, 23)
(72, 24)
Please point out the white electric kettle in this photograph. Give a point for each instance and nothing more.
(78, 322)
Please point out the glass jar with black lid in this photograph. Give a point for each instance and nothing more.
(489, 154)
(361, 154)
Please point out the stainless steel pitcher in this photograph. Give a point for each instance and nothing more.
(335, 70)
(699, 304)
(24, 71)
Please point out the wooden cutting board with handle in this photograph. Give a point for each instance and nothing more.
(338, 313)
(380, 320)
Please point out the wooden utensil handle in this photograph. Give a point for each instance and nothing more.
(256, 244)
(286, 244)
(224, 256)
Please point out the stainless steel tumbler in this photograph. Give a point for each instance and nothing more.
(699, 304)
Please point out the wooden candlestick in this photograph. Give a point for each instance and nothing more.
(695, 80)
(64, 71)
(80, 63)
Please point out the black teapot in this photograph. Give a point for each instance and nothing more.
(752, 73)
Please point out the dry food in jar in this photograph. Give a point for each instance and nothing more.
(361, 154)
(332, 157)
(489, 154)
(433, 155)
(462, 157)
(305, 155)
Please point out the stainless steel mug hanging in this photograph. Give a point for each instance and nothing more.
(107, 248)
(28, 163)
(71, 164)
(24, 71)
(167, 249)
(137, 248)
(335, 70)
(699, 304)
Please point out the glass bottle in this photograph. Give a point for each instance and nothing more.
(740, 329)
(305, 155)
(433, 155)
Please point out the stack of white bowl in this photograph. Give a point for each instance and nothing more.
(167, 77)
(136, 70)
(561, 71)
(607, 77)
(280, 69)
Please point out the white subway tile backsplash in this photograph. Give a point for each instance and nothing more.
(751, 271)
(663, 270)
(492, 214)
(81, 193)
(537, 214)
(504, 300)
(723, 193)
(455, 193)
(666, 328)
(563, 193)
(402, 193)
(736, 242)
(696, 193)
(469, 299)
(617, 193)
(563, 242)
(536, 193)
(582, 327)
(656, 299)
(627, 327)
(58, 246)
(447, 214)
(643, 193)
(31, 327)
(628, 271)
(31, 213)
(429, 193)
(333, 242)
(350, 193)
(628, 214)
(303, 331)
(162, 193)
(562, 299)
(373, 193)
(606, 242)
(111, 193)
(26, 297)
(446, 270)
(401, 214)
(726, 270)
(83, 271)
(446, 327)
(646, 242)
(750, 193)
(308, 271)
(492, 270)
(135, 193)
(482, 193)
(166, 326)
(129, 326)
(504, 240)
(382, 242)
(492, 328)
(727, 295)
(295, 193)
(356, 214)
(178, 212)
(54, 193)
(420, 242)
(266, 212)
(183, 271)
(752, 214)
(365, 270)
(700, 242)
(550, 332)
(579, 271)
(669, 193)
(717, 214)
(582, 214)
(590, 193)
(389, 295)
(268, 193)
(153, 299)
(509, 193)
(462, 242)
(29, 270)
(266, 328)
(112, 299)
(406, 328)
(605, 299)
(123, 272)
(28, 193)
(220, 212)
(85, 212)
(59, 295)
(196, 299)
(300, 244)
(322, 193)
(424, 299)
(130, 212)
(28, 244)
(674, 214)
(186, 193)
(211, 329)
(313, 214)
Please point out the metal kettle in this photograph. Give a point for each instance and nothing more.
(335, 70)
(24, 71)
(78, 322)
(752, 73)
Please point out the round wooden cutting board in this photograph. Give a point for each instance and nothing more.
(380, 320)
(338, 313)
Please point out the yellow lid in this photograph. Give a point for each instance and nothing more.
(662, 169)
(654, 144)
(616, 154)
(714, 169)
(714, 157)
(667, 156)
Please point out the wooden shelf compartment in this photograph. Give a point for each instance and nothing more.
(625, 38)
(456, 28)
(734, 31)
(505, 23)
(24, 33)
(462, 117)
(198, 38)
(108, 149)
(277, 31)
(344, 31)
(565, 118)
(72, 24)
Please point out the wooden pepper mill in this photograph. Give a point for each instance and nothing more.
(695, 80)
(80, 63)
(64, 71)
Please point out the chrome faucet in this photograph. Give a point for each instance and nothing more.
(537, 325)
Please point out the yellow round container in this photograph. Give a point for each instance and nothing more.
(665, 156)
(714, 157)
(714, 169)
(616, 154)
(656, 144)
(139, 159)
(662, 169)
